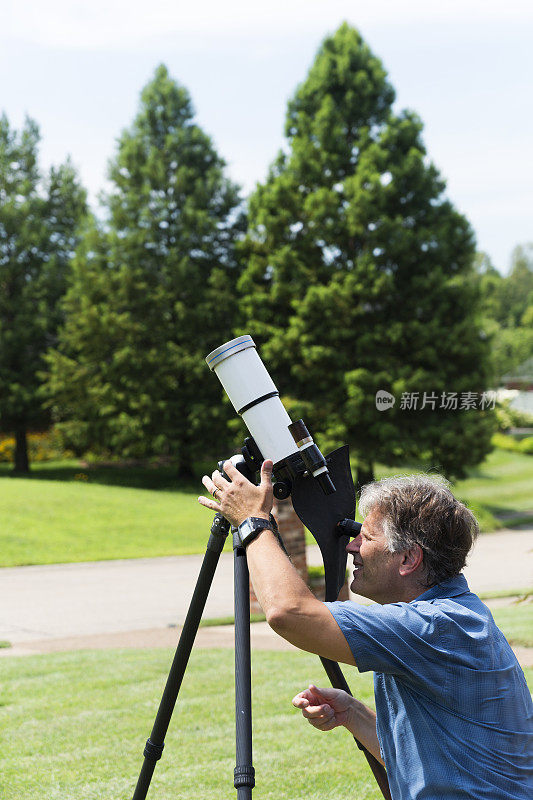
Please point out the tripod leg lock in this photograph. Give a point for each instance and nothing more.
(153, 752)
(244, 776)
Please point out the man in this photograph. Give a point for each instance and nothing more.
(454, 716)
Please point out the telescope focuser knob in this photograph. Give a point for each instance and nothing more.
(282, 489)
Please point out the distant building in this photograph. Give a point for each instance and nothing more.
(518, 387)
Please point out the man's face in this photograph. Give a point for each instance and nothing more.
(376, 571)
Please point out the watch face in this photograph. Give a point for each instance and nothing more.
(252, 525)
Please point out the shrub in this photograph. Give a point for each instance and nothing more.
(508, 417)
(44, 446)
(7, 448)
(526, 446)
(504, 442)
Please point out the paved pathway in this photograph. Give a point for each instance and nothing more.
(59, 600)
(140, 601)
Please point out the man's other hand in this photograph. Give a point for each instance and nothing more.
(325, 708)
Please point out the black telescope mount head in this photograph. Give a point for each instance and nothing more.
(306, 461)
(329, 516)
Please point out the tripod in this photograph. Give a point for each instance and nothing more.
(244, 773)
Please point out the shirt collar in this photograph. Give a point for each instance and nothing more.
(452, 587)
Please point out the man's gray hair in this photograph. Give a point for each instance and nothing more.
(421, 509)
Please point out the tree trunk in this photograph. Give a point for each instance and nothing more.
(22, 463)
(365, 474)
(293, 534)
(186, 474)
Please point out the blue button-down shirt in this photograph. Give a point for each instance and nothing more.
(454, 714)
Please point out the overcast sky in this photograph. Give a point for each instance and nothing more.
(465, 66)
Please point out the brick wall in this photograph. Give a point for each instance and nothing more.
(293, 535)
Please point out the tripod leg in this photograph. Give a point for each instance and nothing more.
(244, 774)
(338, 681)
(156, 742)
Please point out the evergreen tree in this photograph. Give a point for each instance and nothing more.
(360, 273)
(38, 230)
(517, 288)
(490, 285)
(507, 306)
(152, 294)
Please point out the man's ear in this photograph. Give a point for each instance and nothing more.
(411, 560)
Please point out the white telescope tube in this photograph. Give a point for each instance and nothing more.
(254, 396)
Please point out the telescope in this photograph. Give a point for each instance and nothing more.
(322, 489)
(255, 398)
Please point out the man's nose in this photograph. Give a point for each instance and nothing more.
(354, 544)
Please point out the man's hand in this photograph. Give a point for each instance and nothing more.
(326, 708)
(237, 498)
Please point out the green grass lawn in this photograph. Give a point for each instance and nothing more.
(65, 512)
(503, 484)
(58, 515)
(73, 727)
(516, 621)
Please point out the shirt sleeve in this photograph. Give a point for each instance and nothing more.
(402, 639)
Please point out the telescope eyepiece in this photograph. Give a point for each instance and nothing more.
(348, 527)
(314, 461)
(299, 433)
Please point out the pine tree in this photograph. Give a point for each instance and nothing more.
(359, 276)
(152, 294)
(507, 305)
(38, 234)
(517, 288)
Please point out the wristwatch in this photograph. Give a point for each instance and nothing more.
(252, 527)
